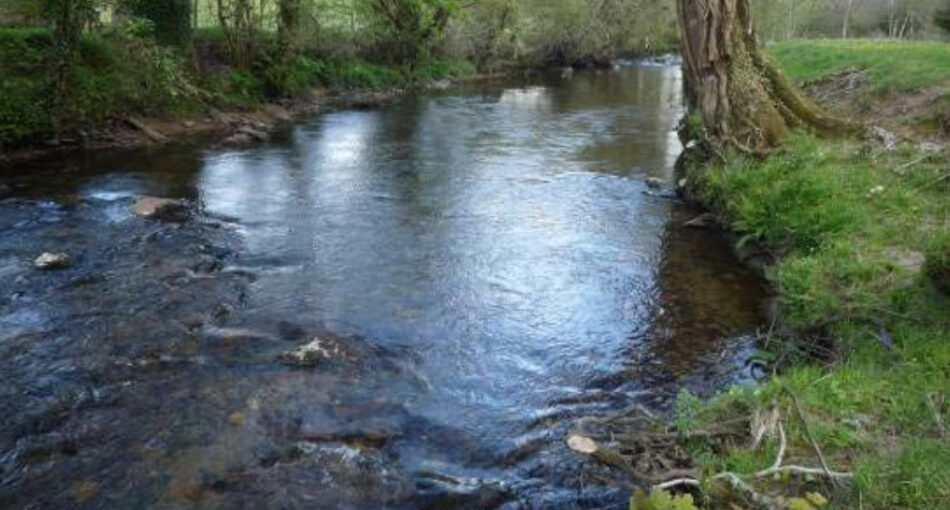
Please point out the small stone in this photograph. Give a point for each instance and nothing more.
(886, 138)
(238, 139)
(85, 490)
(278, 112)
(705, 220)
(908, 260)
(654, 182)
(52, 261)
(313, 353)
(253, 132)
(188, 124)
(930, 147)
(236, 419)
(682, 183)
(582, 444)
(160, 208)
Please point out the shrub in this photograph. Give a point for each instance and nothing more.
(293, 77)
(171, 19)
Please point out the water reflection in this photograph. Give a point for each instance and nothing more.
(487, 257)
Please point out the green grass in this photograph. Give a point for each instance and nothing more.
(892, 66)
(846, 227)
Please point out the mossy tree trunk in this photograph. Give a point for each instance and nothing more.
(743, 98)
(69, 18)
(235, 18)
(288, 28)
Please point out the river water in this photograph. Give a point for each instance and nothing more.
(486, 262)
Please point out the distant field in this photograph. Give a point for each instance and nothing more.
(892, 66)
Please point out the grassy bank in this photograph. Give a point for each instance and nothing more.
(861, 241)
(892, 66)
(118, 74)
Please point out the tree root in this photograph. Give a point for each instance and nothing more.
(651, 452)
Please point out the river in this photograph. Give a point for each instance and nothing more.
(486, 261)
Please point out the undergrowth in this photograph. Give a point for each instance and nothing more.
(122, 71)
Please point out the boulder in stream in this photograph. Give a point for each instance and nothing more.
(318, 350)
(654, 182)
(48, 261)
(253, 132)
(704, 220)
(160, 208)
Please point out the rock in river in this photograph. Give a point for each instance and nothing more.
(52, 261)
(654, 182)
(318, 350)
(705, 220)
(160, 208)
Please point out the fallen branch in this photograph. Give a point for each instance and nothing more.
(931, 183)
(811, 437)
(780, 457)
(916, 161)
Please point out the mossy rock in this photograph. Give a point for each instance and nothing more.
(937, 268)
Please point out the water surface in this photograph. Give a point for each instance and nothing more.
(488, 259)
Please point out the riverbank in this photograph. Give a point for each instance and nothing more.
(859, 231)
(127, 91)
(235, 125)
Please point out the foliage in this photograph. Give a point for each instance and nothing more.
(687, 406)
(112, 76)
(661, 500)
(942, 18)
(293, 77)
(406, 31)
(937, 266)
(779, 20)
(760, 197)
(171, 19)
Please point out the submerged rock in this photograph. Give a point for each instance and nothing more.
(318, 350)
(654, 182)
(582, 444)
(278, 112)
(253, 133)
(52, 261)
(438, 491)
(160, 208)
(238, 139)
(234, 337)
(704, 220)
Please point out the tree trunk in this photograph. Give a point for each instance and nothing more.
(743, 98)
(846, 22)
(288, 28)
